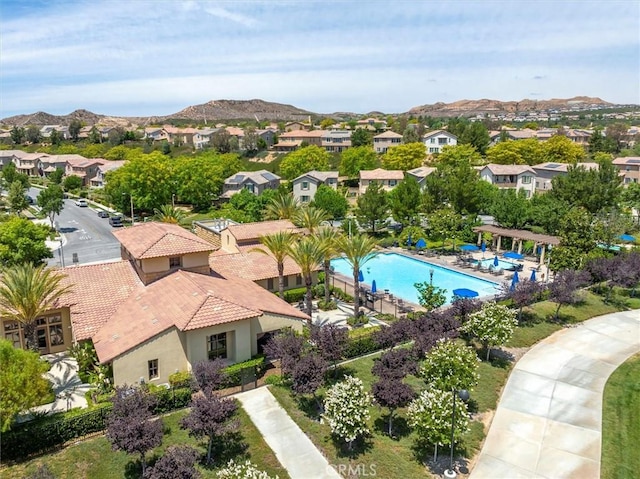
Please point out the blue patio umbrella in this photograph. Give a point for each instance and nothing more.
(513, 255)
(496, 261)
(360, 275)
(483, 247)
(465, 293)
(533, 275)
(421, 243)
(628, 238)
(469, 247)
(374, 286)
(514, 281)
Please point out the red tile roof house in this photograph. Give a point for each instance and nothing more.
(389, 179)
(85, 168)
(162, 308)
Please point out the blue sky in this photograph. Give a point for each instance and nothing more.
(139, 57)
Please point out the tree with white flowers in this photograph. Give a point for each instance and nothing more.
(450, 365)
(246, 470)
(430, 415)
(493, 325)
(346, 407)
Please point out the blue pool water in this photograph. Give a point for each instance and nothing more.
(398, 273)
(505, 265)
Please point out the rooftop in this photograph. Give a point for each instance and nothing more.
(248, 231)
(381, 174)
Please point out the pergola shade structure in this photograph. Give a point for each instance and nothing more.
(518, 235)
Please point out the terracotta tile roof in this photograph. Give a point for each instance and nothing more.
(302, 134)
(509, 169)
(429, 134)
(388, 134)
(249, 265)
(152, 240)
(249, 231)
(320, 176)
(186, 301)
(381, 174)
(629, 160)
(98, 290)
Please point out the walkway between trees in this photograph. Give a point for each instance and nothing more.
(549, 419)
(292, 447)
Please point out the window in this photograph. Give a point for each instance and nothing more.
(392, 182)
(152, 366)
(442, 141)
(217, 346)
(433, 150)
(432, 141)
(175, 261)
(55, 335)
(14, 338)
(250, 187)
(305, 185)
(298, 279)
(305, 199)
(286, 281)
(270, 284)
(526, 180)
(537, 184)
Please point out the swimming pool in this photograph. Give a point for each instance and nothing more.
(398, 273)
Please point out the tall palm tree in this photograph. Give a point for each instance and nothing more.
(282, 207)
(277, 246)
(308, 254)
(26, 293)
(328, 238)
(168, 214)
(310, 217)
(357, 250)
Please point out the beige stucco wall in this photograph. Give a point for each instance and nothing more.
(155, 265)
(271, 322)
(195, 260)
(228, 241)
(238, 341)
(168, 348)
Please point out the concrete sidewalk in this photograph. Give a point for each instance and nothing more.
(292, 447)
(548, 423)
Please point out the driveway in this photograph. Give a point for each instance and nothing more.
(548, 423)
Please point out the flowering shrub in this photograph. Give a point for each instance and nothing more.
(493, 324)
(450, 365)
(248, 470)
(346, 408)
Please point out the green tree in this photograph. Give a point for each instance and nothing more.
(74, 129)
(430, 297)
(16, 198)
(405, 157)
(9, 174)
(410, 135)
(17, 135)
(304, 159)
(55, 177)
(476, 135)
(357, 250)
(577, 240)
(310, 217)
(511, 208)
(169, 214)
(346, 409)
(610, 224)
(405, 201)
(460, 154)
(445, 224)
(22, 382)
(72, 182)
(55, 138)
(372, 207)
(560, 149)
(250, 140)
(32, 135)
(51, 201)
(331, 201)
(450, 365)
(616, 134)
(284, 206)
(308, 254)
(455, 181)
(277, 246)
(353, 160)
(27, 292)
(221, 141)
(326, 123)
(493, 325)
(328, 238)
(630, 196)
(94, 135)
(505, 153)
(360, 137)
(547, 212)
(199, 180)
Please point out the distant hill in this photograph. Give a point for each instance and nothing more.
(475, 107)
(86, 117)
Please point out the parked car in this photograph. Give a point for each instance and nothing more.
(103, 213)
(115, 221)
(82, 203)
(29, 199)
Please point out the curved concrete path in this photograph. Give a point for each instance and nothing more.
(549, 420)
(295, 451)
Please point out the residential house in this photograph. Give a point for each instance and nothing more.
(156, 133)
(202, 137)
(434, 141)
(10, 156)
(372, 124)
(629, 167)
(85, 168)
(389, 179)
(254, 181)
(28, 163)
(99, 180)
(268, 135)
(45, 131)
(292, 140)
(546, 172)
(420, 174)
(296, 126)
(306, 185)
(51, 163)
(238, 134)
(386, 140)
(518, 177)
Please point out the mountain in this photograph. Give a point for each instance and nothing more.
(241, 110)
(478, 107)
(86, 117)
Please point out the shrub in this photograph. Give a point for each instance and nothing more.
(234, 372)
(327, 306)
(362, 343)
(248, 470)
(180, 379)
(295, 295)
(274, 380)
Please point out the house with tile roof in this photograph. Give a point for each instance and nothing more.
(99, 180)
(161, 308)
(389, 179)
(386, 140)
(434, 141)
(306, 185)
(84, 168)
(254, 181)
(629, 168)
(518, 177)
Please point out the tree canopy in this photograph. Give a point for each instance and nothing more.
(302, 160)
(404, 157)
(358, 158)
(405, 201)
(22, 241)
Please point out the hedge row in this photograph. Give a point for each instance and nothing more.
(233, 372)
(361, 341)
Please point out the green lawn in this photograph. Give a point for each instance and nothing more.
(621, 422)
(94, 458)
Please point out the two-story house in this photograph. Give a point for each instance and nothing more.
(386, 140)
(84, 168)
(518, 177)
(254, 181)
(99, 180)
(336, 141)
(434, 141)
(629, 167)
(420, 174)
(389, 179)
(306, 185)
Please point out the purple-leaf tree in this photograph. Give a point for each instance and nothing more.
(177, 462)
(564, 288)
(330, 340)
(389, 336)
(210, 417)
(394, 364)
(209, 375)
(427, 330)
(130, 426)
(308, 375)
(522, 294)
(461, 308)
(392, 393)
(286, 346)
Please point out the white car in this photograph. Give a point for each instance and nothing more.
(82, 202)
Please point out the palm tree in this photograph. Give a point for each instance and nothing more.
(310, 217)
(308, 254)
(282, 207)
(277, 245)
(328, 238)
(168, 214)
(357, 251)
(26, 293)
